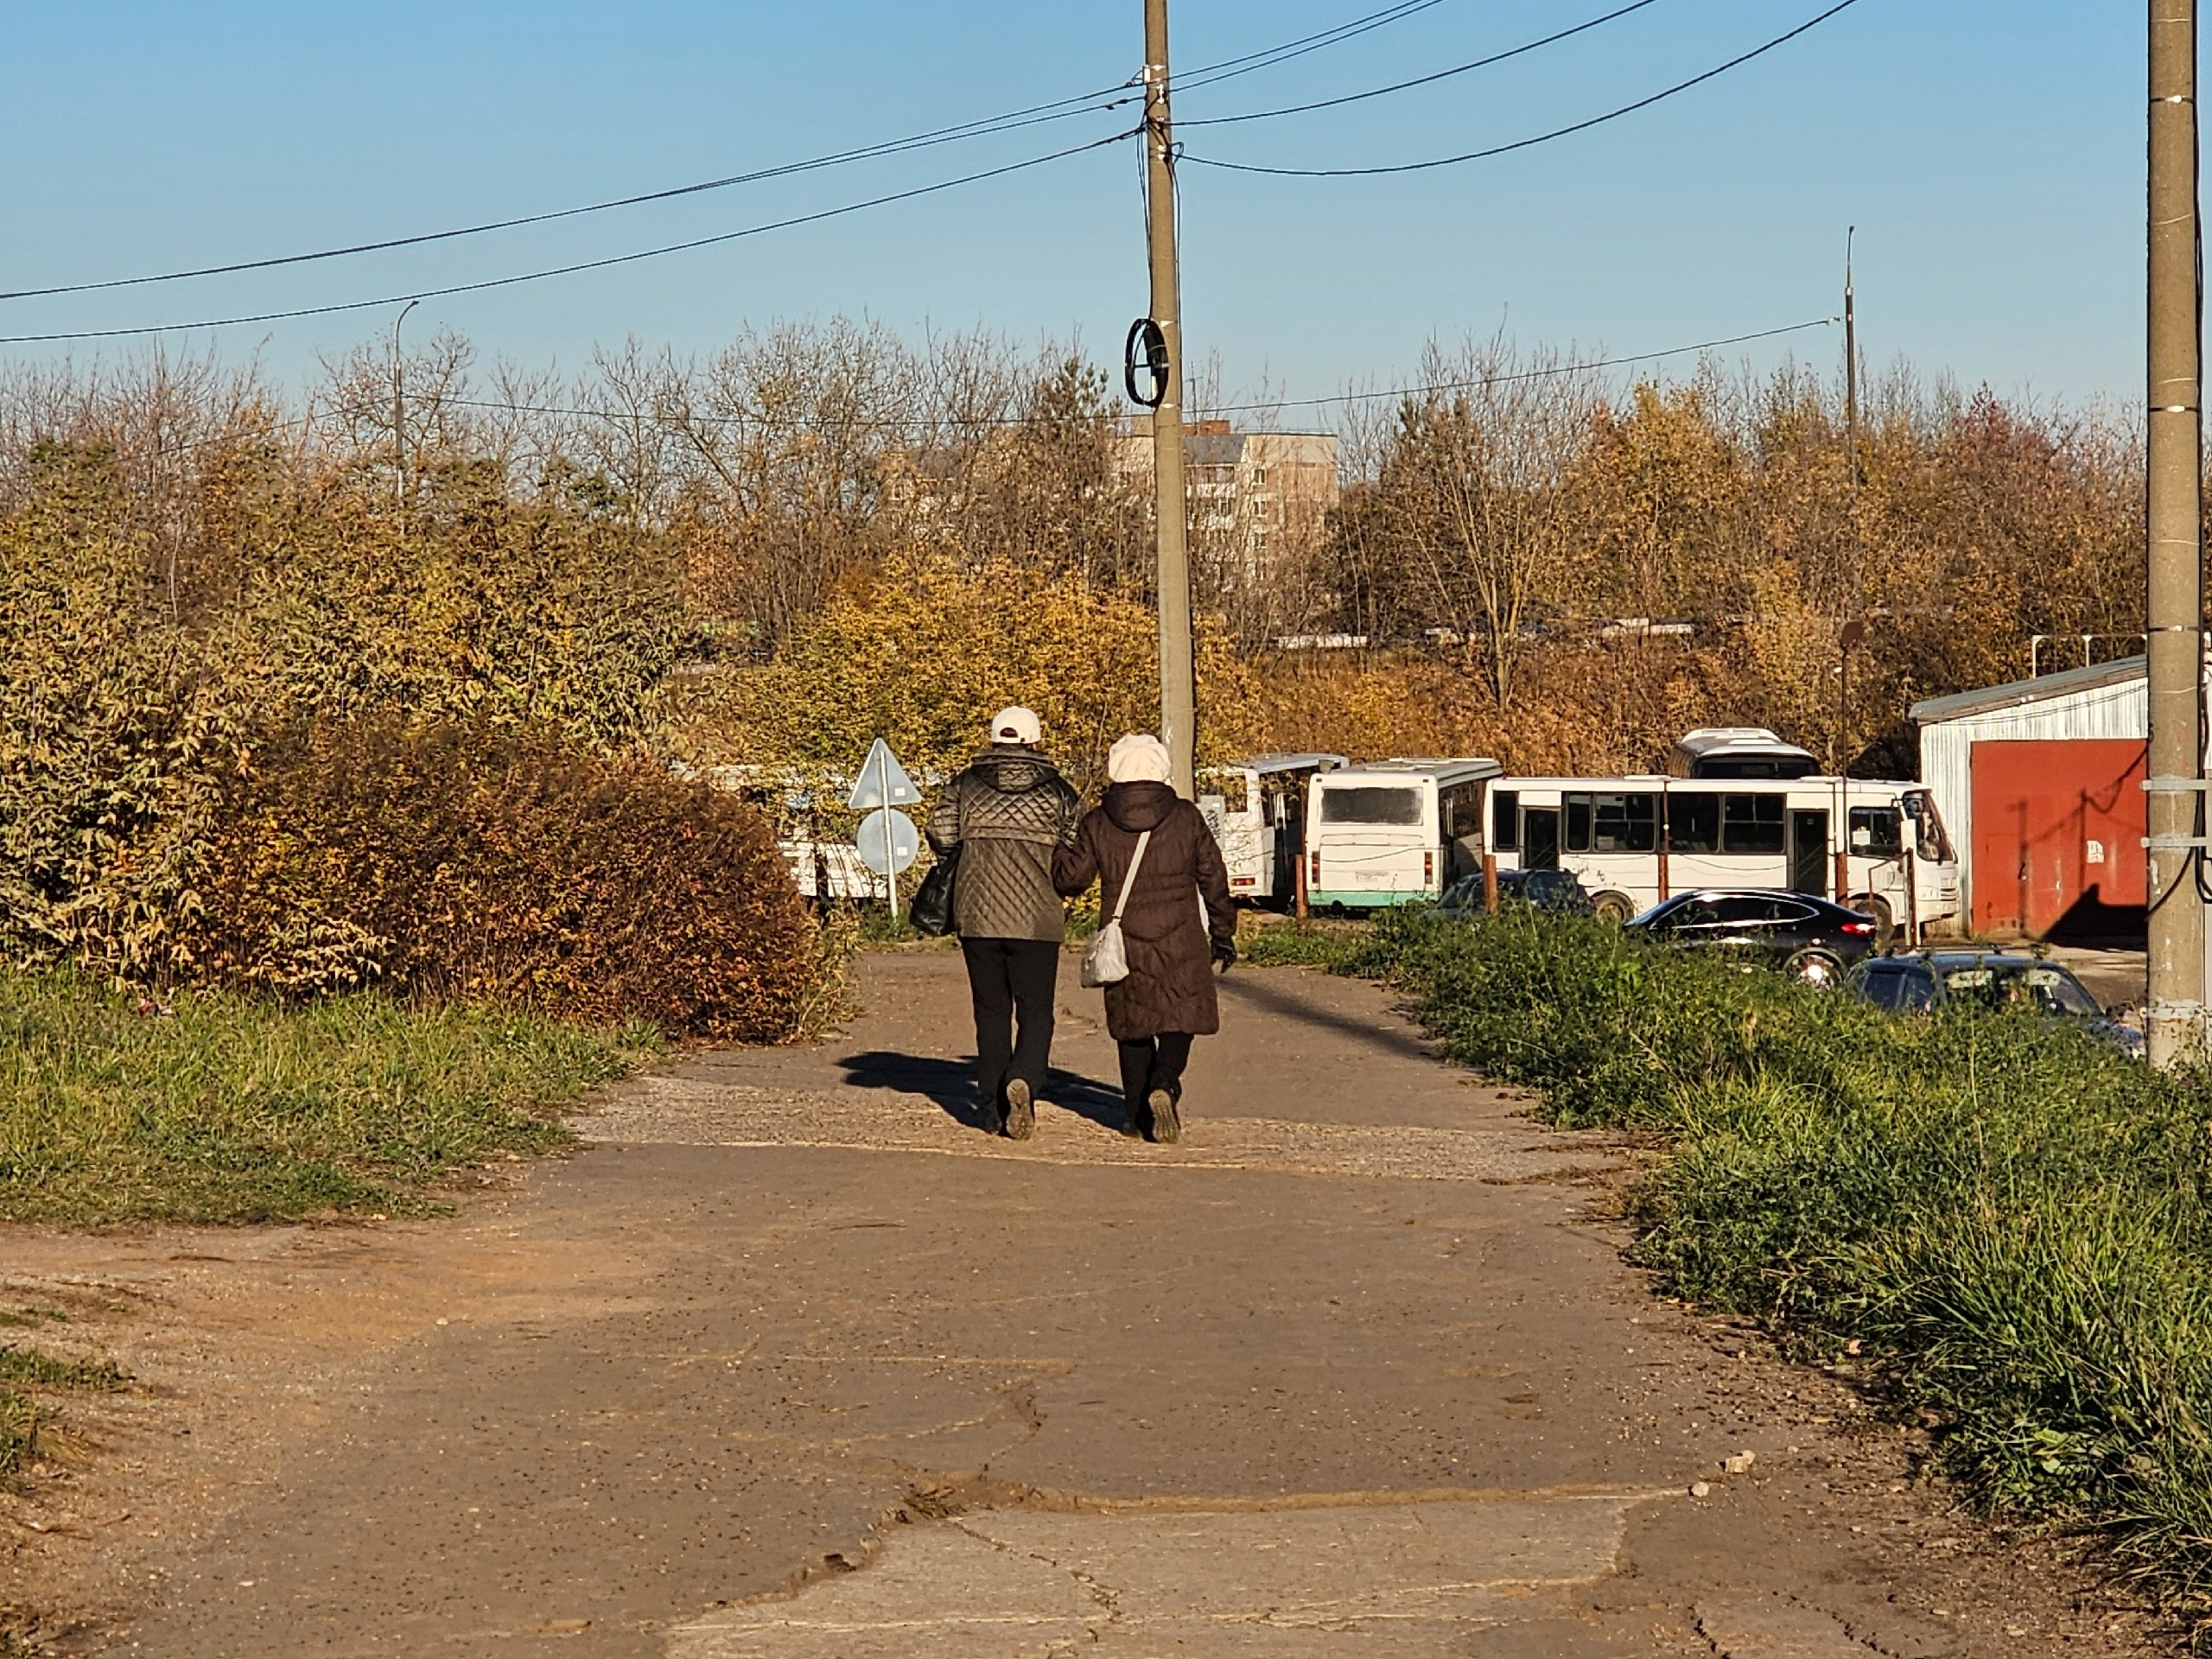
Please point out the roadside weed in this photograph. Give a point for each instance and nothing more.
(224, 1108)
(2011, 1217)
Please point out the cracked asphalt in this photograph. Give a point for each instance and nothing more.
(792, 1360)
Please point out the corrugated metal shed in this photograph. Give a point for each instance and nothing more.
(2104, 700)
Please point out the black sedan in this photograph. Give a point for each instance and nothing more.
(1560, 891)
(1996, 979)
(1806, 938)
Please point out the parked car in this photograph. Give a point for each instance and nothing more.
(1913, 983)
(1806, 938)
(1559, 891)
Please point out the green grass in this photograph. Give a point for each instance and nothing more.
(21, 1419)
(234, 1109)
(1304, 944)
(2012, 1221)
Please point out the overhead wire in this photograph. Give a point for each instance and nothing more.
(1421, 389)
(1062, 109)
(574, 268)
(1420, 81)
(1523, 143)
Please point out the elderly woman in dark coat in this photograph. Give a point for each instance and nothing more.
(1177, 923)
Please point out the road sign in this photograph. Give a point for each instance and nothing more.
(882, 781)
(888, 841)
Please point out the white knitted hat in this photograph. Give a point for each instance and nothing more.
(1140, 758)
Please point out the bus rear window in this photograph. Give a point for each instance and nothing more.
(1360, 804)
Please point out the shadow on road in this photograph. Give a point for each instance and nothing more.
(1245, 987)
(952, 1085)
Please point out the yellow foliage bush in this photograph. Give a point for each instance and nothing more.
(923, 649)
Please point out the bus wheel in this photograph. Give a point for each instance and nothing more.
(1885, 921)
(1612, 908)
(1815, 967)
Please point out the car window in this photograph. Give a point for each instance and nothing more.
(1915, 990)
(1466, 893)
(1737, 911)
(1786, 911)
(2048, 988)
(1882, 986)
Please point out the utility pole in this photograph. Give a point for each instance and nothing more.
(1179, 700)
(2174, 607)
(399, 410)
(1851, 368)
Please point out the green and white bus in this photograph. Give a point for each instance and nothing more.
(1394, 832)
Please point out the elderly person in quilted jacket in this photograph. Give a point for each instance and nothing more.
(1177, 923)
(1008, 812)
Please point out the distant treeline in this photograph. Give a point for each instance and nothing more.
(826, 531)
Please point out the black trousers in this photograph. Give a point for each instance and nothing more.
(1011, 979)
(1150, 1063)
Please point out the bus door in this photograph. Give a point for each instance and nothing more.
(1809, 851)
(1540, 838)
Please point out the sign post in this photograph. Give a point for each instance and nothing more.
(887, 839)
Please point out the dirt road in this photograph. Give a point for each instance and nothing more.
(794, 1362)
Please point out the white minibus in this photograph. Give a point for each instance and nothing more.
(1393, 831)
(1878, 847)
(1256, 809)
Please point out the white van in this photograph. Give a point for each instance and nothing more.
(1393, 831)
(1256, 809)
(1878, 847)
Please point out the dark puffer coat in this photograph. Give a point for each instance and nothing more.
(1180, 898)
(1006, 812)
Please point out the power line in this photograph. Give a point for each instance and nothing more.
(579, 266)
(1213, 73)
(1524, 143)
(1530, 374)
(1425, 389)
(986, 126)
(1423, 80)
(1009, 422)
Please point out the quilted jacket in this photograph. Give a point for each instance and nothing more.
(1181, 897)
(1006, 812)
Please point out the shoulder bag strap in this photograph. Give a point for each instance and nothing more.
(1130, 879)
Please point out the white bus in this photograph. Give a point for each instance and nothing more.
(1878, 847)
(1394, 831)
(1256, 809)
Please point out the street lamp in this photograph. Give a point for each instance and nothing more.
(398, 412)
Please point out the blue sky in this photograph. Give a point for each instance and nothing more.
(1990, 155)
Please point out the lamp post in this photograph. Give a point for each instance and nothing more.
(398, 412)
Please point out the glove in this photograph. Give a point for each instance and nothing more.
(1225, 955)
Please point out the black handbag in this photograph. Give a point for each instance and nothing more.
(931, 913)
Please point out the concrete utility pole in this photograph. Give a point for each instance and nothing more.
(1178, 699)
(2175, 610)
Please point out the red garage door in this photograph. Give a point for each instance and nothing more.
(2057, 837)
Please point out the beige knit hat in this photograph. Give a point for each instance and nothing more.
(1140, 758)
